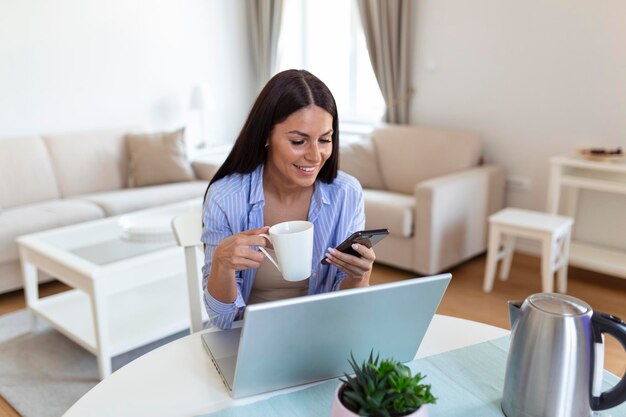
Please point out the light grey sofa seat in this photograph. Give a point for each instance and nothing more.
(132, 199)
(430, 189)
(57, 180)
(33, 218)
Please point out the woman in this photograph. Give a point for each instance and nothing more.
(283, 166)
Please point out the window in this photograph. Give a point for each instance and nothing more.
(326, 38)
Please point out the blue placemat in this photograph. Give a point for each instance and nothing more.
(467, 382)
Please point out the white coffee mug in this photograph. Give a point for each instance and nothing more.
(293, 245)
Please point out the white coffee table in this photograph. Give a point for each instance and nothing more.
(179, 380)
(125, 293)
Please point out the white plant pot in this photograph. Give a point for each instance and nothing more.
(339, 410)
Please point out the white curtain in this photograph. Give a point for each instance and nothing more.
(264, 17)
(388, 34)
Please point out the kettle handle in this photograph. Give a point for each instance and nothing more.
(606, 323)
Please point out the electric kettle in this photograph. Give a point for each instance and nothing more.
(556, 357)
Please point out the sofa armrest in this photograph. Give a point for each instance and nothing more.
(205, 166)
(451, 216)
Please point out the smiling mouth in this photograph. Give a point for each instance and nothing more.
(305, 169)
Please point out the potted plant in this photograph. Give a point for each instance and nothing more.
(381, 389)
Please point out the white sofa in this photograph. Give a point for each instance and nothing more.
(50, 181)
(430, 188)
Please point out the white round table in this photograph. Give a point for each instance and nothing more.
(179, 379)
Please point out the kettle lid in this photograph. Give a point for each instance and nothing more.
(559, 304)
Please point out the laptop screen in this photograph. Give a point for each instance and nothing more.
(305, 339)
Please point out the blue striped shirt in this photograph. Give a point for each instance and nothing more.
(235, 203)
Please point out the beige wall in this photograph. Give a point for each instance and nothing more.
(536, 78)
(70, 65)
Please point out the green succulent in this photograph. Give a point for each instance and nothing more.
(384, 389)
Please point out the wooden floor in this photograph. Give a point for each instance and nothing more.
(465, 298)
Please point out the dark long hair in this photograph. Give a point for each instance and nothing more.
(286, 93)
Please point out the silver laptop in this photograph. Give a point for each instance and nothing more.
(305, 339)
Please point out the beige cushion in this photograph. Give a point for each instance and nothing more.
(157, 158)
(384, 209)
(88, 162)
(26, 174)
(37, 217)
(206, 165)
(132, 199)
(411, 154)
(358, 158)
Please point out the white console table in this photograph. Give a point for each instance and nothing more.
(577, 173)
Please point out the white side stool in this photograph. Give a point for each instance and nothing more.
(553, 231)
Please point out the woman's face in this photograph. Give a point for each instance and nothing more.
(299, 146)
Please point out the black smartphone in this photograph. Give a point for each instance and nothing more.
(363, 237)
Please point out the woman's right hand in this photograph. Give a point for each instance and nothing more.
(235, 253)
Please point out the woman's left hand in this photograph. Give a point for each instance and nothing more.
(357, 269)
